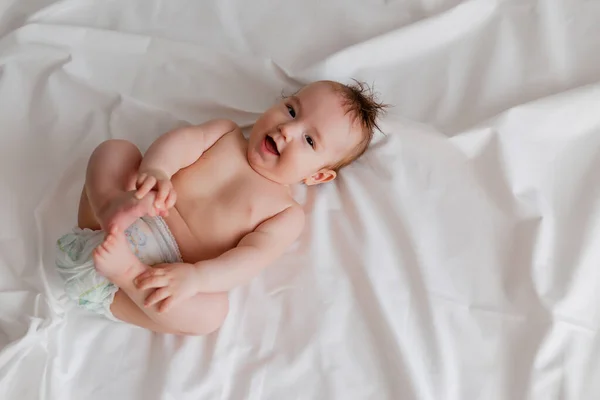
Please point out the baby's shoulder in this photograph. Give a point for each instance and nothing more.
(232, 134)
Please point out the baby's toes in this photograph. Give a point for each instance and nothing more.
(99, 253)
(110, 239)
(104, 249)
(111, 242)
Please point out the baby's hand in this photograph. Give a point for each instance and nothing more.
(165, 197)
(173, 283)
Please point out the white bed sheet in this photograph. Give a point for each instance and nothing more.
(459, 259)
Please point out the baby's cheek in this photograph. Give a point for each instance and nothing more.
(305, 166)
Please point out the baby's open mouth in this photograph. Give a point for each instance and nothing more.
(271, 146)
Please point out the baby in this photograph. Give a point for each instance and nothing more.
(208, 209)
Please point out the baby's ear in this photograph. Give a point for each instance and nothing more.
(324, 175)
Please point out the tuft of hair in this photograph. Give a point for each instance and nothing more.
(360, 101)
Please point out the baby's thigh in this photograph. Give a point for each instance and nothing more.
(202, 314)
(85, 215)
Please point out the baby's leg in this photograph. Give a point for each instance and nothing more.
(107, 196)
(199, 315)
(109, 179)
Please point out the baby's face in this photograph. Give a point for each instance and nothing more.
(298, 138)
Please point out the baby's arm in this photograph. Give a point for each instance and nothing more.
(181, 147)
(173, 151)
(253, 253)
(233, 268)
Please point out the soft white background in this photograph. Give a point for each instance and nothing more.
(459, 259)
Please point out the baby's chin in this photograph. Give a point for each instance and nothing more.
(274, 175)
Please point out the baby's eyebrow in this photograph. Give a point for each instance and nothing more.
(296, 100)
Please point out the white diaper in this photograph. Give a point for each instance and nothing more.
(149, 239)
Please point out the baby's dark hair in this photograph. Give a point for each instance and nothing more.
(361, 103)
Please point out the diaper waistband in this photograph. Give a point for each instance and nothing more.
(168, 246)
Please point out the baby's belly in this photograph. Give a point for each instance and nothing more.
(197, 239)
(187, 242)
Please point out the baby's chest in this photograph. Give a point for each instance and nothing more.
(243, 204)
(221, 215)
(229, 192)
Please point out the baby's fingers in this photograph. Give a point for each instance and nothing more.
(167, 304)
(146, 186)
(164, 188)
(140, 179)
(149, 273)
(152, 282)
(156, 296)
(171, 199)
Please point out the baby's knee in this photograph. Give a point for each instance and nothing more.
(117, 142)
(119, 146)
(209, 319)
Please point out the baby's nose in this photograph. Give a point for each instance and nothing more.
(286, 132)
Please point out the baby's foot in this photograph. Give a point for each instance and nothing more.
(125, 209)
(114, 259)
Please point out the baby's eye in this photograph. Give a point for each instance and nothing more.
(291, 111)
(310, 142)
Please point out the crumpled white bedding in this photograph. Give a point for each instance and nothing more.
(459, 259)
